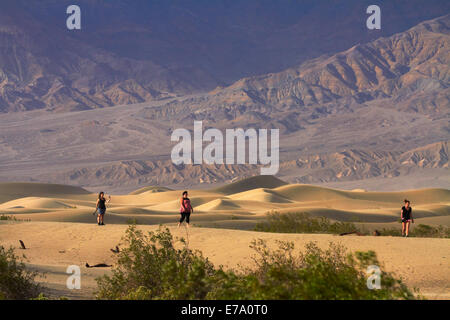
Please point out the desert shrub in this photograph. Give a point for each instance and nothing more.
(16, 282)
(423, 230)
(393, 232)
(315, 274)
(300, 222)
(420, 231)
(43, 297)
(4, 217)
(132, 221)
(150, 267)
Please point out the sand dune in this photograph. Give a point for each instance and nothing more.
(150, 189)
(11, 191)
(262, 195)
(239, 205)
(35, 203)
(300, 192)
(219, 204)
(251, 183)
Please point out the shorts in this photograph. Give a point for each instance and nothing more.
(185, 215)
(406, 220)
(101, 211)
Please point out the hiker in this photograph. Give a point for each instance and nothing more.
(101, 207)
(407, 218)
(185, 210)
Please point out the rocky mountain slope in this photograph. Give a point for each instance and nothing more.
(139, 51)
(375, 116)
(409, 71)
(348, 165)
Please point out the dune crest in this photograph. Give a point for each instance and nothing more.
(238, 205)
(35, 203)
(268, 182)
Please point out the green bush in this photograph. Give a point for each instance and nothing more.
(419, 231)
(16, 282)
(426, 231)
(151, 268)
(43, 297)
(393, 232)
(315, 274)
(4, 217)
(299, 222)
(132, 221)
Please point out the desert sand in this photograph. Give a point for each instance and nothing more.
(58, 228)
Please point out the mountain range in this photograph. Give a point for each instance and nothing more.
(373, 116)
(142, 51)
(410, 69)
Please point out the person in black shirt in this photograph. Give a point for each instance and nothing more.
(101, 207)
(407, 218)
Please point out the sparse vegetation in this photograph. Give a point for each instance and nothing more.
(16, 282)
(304, 223)
(420, 231)
(300, 222)
(43, 297)
(4, 217)
(315, 274)
(150, 267)
(423, 230)
(132, 221)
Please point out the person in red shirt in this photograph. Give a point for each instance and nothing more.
(185, 210)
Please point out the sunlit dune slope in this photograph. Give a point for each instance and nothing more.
(239, 205)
